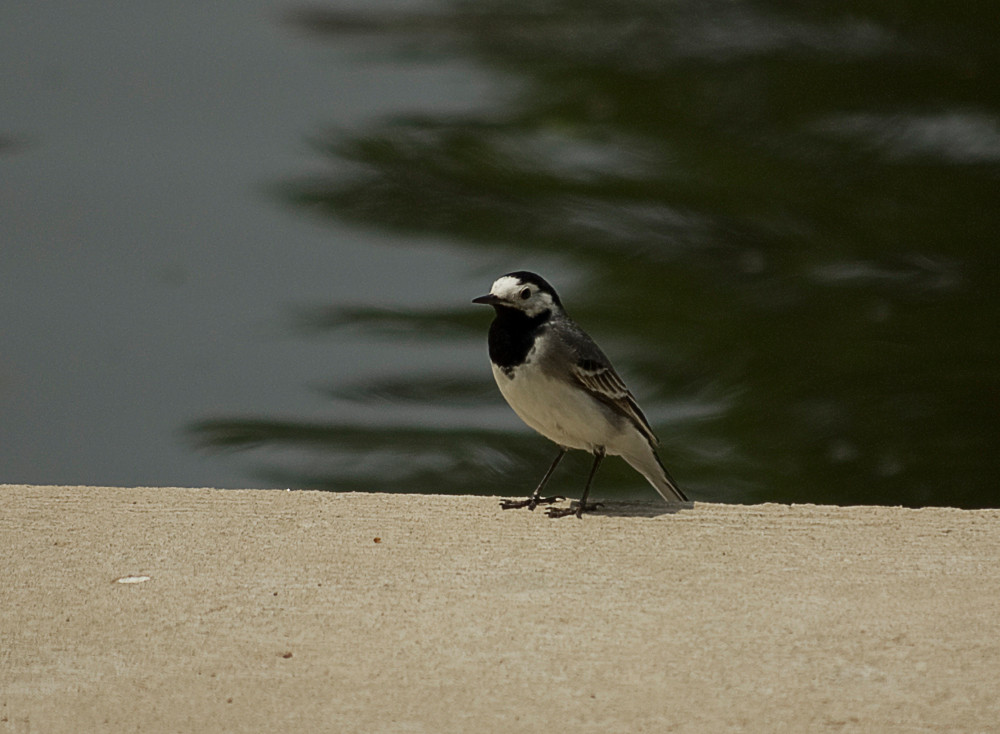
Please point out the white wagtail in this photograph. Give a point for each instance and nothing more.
(559, 382)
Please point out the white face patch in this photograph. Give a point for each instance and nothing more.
(522, 296)
(505, 287)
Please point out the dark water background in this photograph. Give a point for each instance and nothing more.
(238, 245)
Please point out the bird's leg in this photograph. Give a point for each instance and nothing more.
(535, 499)
(582, 507)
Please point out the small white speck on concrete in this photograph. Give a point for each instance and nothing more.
(132, 579)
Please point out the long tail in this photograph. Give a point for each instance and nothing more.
(648, 464)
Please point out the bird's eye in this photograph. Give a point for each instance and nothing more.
(525, 294)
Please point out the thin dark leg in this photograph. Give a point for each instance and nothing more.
(534, 500)
(583, 506)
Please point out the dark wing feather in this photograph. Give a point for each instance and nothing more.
(601, 381)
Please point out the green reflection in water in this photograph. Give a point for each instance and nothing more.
(787, 215)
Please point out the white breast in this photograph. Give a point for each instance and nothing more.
(558, 410)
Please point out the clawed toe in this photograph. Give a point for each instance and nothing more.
(531, 503)
(577, 510)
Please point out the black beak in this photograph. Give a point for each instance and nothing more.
(489, 300)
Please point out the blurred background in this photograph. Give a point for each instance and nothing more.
(238, 242)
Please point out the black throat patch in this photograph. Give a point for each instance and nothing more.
(512, 334)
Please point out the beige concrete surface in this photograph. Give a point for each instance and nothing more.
(274, 611)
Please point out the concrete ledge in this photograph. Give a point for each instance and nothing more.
(308, 611)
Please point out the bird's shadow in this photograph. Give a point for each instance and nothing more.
(634, 508)
(625, 508)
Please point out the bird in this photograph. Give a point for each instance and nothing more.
(559, 382)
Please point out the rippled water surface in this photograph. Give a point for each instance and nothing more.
(238, 245)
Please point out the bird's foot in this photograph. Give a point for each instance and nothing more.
(531, 503)
(578, 510)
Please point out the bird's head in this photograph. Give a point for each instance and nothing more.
(522, 291)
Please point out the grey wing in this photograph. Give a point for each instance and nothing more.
(600, 379)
